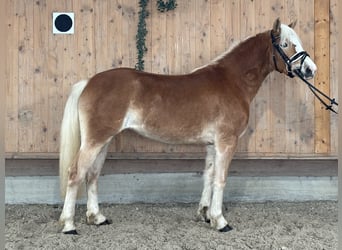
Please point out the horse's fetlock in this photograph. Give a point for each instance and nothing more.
(91, 218)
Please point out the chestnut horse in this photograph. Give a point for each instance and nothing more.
(208, 106)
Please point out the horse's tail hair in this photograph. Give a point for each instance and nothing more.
(70, 135)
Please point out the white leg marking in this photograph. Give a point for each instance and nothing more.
(224, 155)
(208, 176)
(68, 213)
(86, 158)
(93, 212)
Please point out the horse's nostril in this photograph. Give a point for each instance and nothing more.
(308, 72)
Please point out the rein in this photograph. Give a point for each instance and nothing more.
(292, 73)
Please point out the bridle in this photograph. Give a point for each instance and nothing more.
(292, 73)
(288, 61)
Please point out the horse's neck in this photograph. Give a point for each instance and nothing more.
(251, 63)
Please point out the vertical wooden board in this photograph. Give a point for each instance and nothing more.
(101, 46)
(305, 98)
(55, 60)
(85, 38)
(277, 91)
(70, 56)
(322, 60)
(172, 48)
(12, 88)
(202, 43)
(188, 35)
(40, 101)
(232, 26)
(148, 54)
(114, 49)
(261, 101)
(159, 41)
(291, 94)
(217, 28)
(125, 142)
(128, 32)
(247, 28)
(26, 109)
(334, 62)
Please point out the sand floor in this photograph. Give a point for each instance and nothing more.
(270, 225)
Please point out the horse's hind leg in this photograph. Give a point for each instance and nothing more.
(84, 161)
(208, 177)
(93, 212)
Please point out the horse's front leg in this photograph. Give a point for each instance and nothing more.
(208, 177)
(224, 154)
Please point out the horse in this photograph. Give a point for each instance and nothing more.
(208, 106)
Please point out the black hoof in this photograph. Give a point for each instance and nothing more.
(227, 228)
(207, 220)
(106, 222)
(71, 232)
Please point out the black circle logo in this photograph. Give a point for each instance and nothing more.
(63, 23)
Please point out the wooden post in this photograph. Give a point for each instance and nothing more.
(322, 79)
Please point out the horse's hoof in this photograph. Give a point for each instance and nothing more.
(106, 222)
(71, 232)
(227, 228)
(207, 220)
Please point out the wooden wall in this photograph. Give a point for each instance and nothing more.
(285, 120)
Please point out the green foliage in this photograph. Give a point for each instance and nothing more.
(141, 34)
(142, 30)
(166, 6)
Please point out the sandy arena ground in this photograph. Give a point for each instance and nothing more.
(270, 225)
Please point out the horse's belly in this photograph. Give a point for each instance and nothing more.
(166, 131)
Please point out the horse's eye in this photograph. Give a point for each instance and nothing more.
(284, 45)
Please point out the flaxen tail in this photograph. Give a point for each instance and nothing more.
(70, 135)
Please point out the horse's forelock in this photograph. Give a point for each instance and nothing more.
(288, 34)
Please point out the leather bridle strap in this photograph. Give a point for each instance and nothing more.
(291, 73)
(288, 61)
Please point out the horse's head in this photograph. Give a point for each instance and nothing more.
(289, 55)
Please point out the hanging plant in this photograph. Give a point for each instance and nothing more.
(141, 34)
(142, 30)
(166, 6)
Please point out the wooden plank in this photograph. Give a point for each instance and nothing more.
(334, 68)
(291, 94)
(101, 50)
(233, 13)
(173, 49)
(262, 99)
(128, 31)
(26, 110)
(70, 56)
(12, 82)
(217, 28)
(305, 98)
(114, 50)
(322, 60)
(277, 85)
(243, 167)
(188, 34)
(40, 96)
(115, 13)
(202, 43)
(159, 39)
(54, 82)
(247, 28)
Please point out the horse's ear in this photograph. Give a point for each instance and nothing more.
(276, 27)
(293, 24)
